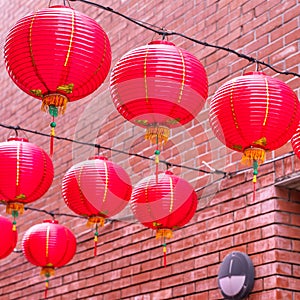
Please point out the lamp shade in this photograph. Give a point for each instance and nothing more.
(9, 237)
(96, 188)
(48, 245)
(26, 173)
(57, 55)
(164, 204)
(254, 113)
(158, 86)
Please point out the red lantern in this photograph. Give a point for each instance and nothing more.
(57, 55)
(254, 113)
(9, 237)
(26, 173)
(159, 86)
(164, 204)
(48, 245)
(96, 189)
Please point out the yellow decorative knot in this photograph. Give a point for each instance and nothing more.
(156, 224)
(14, 206)
(67, 88)
(142, 122)
(254, 178)
(157, 134)
(37, 93)
(57, 100)
(95, 220)
(164, 233)
(261, 142)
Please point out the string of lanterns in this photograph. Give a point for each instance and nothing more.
(158, 86)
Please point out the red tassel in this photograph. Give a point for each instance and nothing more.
(51, 145)
(165, 254)
(52, 135)
(46, 289)
(95, 248)
(255, 172)
(254, 191)
(96, 240)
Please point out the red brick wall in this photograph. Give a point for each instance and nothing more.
(129, 260)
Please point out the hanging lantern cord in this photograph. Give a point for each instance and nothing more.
(164, 244)
(157, 152)
(46, 285)
(15, 214)
(255, 172)
(96, 234)
(53, 111)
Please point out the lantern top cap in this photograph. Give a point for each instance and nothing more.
(168, 172)
(17, 138)
(255, 73)
(51, 221)
(98, 157)
(60, 6)
(162, 42)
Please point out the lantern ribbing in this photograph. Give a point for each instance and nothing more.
(163, 204)
(96, 189)
(48, 245)
(27, 173)
(158, 86)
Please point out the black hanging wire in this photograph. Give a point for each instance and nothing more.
(166, 33)
(112, 150)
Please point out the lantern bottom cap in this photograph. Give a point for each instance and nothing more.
(48, 271)
(253, 154)
(96, 220)
(157, 134)
(12, 207)
(164, 233)
(57, 100)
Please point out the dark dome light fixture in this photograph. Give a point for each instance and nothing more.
(236, 276)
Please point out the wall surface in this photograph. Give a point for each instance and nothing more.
(129, 260)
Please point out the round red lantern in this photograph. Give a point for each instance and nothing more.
(48, 245)
(26, 173)
(163, 204)
(254, 113)
(57, 55)
(96, 189)
(296, 142)
(9, 237)
(159, 86)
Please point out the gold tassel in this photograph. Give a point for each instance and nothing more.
(95, 220)
(157, 134)
(164, 233)
(251, 154)
(57, 100)
(14, 206)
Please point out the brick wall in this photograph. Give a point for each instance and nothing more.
(129, 260)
